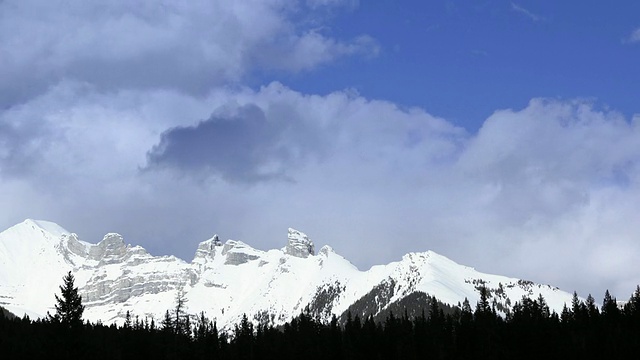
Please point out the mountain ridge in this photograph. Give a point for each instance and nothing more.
(227, 280)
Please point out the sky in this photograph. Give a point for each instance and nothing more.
(503, 135)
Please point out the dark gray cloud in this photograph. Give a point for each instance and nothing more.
(22, 145)
(242, 146)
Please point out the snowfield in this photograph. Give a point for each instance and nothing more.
(227, 280)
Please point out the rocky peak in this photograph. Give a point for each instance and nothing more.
(299, 244)
(208, 248)
(110, 250)
(45, 227)
(326, 250)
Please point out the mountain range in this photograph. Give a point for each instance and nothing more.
(228, 280)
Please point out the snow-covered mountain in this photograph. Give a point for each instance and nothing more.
(228, 280)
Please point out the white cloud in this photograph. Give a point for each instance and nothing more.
(519, 9)
(313, 49)
(188, 46)
(635, 36)
(332, 3)
(552, 184)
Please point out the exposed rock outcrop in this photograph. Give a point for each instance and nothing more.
(299, 244)
(208, 249)
(110, 250)
(237, 253)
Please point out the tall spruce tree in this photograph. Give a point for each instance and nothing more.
(609, 306)
(592, 308)
(167, 323)
(483, 307)
(632, 307)
(69, 306)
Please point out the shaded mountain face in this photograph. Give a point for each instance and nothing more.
(227, 280)
(7, 314)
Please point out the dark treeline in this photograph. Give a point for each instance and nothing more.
(530, 331)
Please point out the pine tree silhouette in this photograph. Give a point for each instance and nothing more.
(69, 306)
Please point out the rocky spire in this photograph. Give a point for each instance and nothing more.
(299, 244)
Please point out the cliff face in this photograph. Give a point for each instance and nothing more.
(228, 280)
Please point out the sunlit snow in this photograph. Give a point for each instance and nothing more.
(226, 280)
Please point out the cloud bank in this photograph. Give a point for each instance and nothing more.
(188, 46)
(137, 120)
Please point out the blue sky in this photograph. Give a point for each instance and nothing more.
(504, 135)
(462, 60)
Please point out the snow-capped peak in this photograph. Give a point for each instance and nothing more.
(227, 281)
(51, 227)
(37, 229)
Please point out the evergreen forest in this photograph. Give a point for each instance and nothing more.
(530, 330)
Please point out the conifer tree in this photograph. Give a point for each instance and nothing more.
(565, 315)
(69, 306)
(632, 307)
(167, 323)
(578, 309)
(592, 309)
(482, 306)
(181, 323)
(609, 306)
(127, 320)
(543, 307)
(466, 314)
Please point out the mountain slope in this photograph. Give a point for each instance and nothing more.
(228, 280)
